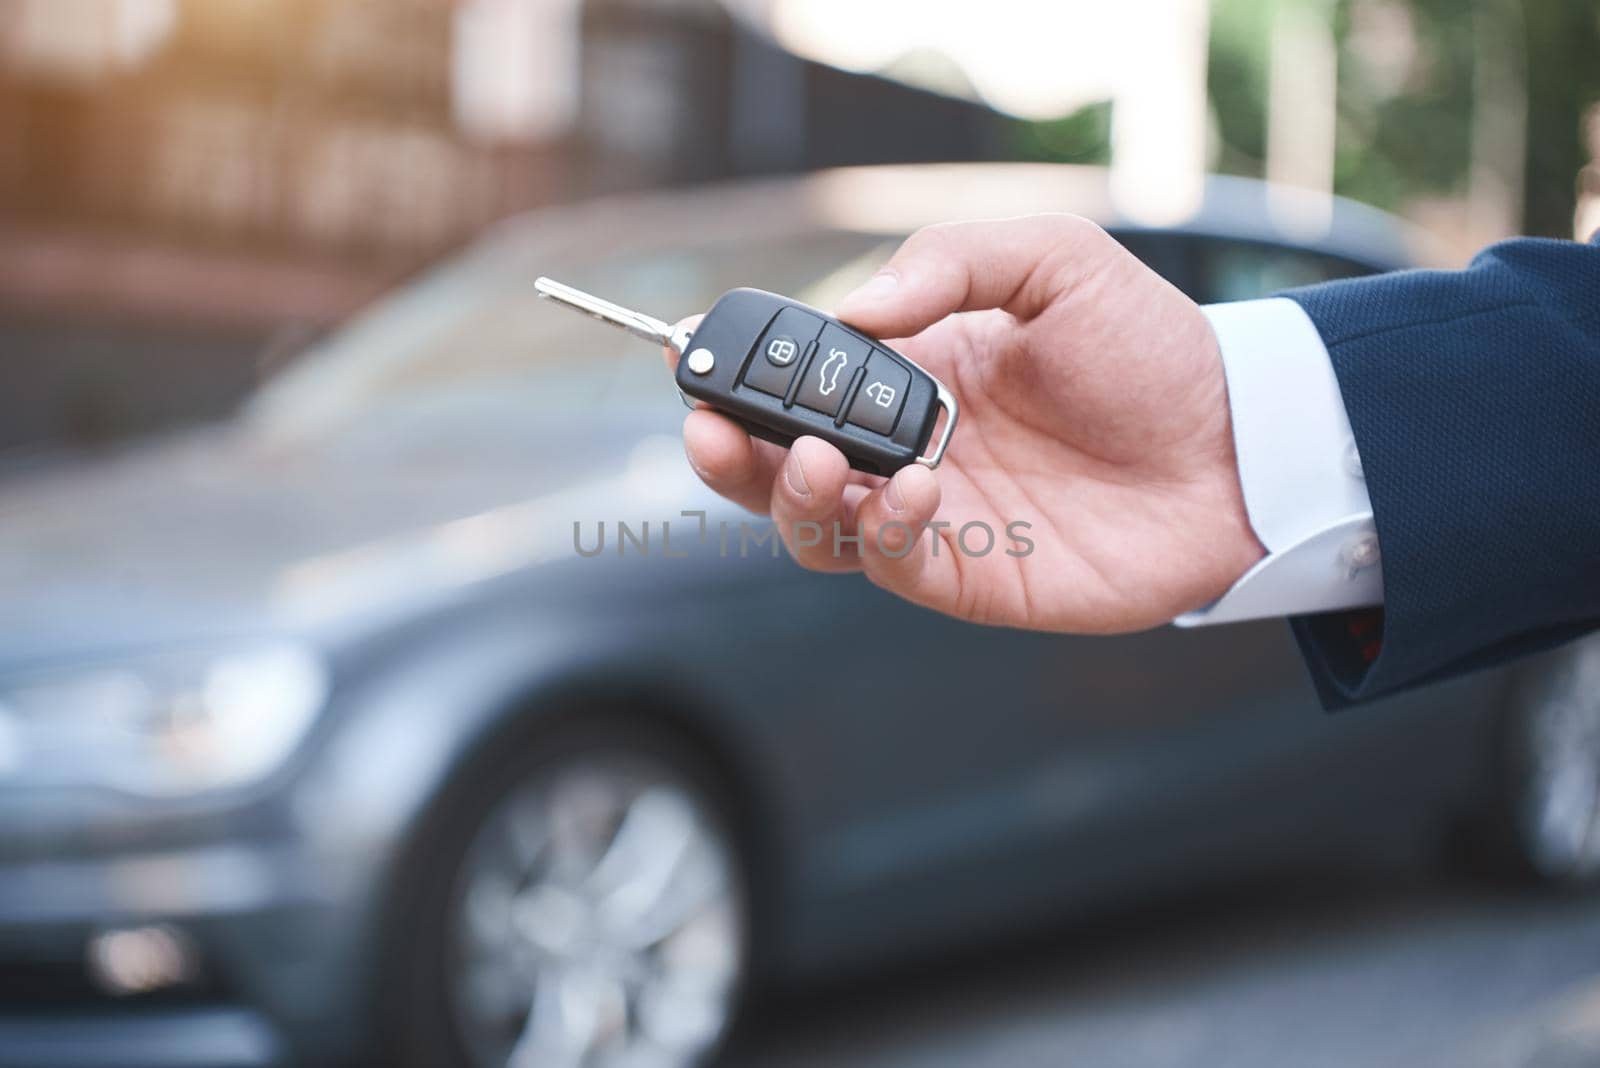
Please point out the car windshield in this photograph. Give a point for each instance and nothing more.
(467, 354)
(470, 339)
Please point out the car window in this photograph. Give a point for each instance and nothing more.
(472, 335)
(469, 341)
(1244, 270)
(1212, 269)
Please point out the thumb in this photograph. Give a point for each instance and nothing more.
(972, 266)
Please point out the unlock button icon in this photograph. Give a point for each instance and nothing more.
(883, 393)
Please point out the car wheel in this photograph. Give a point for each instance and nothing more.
(592, 912)
(1553, 760)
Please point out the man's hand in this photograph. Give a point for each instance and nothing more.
(1093, 407)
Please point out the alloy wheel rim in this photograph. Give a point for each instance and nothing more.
(598, 922)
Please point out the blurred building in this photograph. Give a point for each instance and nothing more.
(202, 184)
(195, 184)
(302, 125)
(684, 92)
(380, 128)
(189, 189)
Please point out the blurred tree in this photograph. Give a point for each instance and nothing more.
(1411, 77)
(1082, 137)
(1405, 100)
(1563, 81)
(1237, 76)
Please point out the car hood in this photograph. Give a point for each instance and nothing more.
(223, 532)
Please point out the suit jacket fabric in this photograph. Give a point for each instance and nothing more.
(1474, 397)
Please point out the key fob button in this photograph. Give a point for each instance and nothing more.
(839, 356)
(781, 351)
(777, 354)
(882, 394)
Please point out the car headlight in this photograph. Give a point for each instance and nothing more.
(162, 725)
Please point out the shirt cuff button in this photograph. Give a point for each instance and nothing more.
(1359, 555)
(1352, 462)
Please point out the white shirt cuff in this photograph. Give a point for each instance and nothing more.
(1298, 467)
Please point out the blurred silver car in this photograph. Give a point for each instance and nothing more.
(431, 711)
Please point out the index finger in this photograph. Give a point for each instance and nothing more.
(973, 266)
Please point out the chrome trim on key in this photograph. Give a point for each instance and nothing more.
(681, 336)
(947, 401)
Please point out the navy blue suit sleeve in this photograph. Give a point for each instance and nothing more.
(1474, 397)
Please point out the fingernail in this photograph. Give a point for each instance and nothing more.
(795, 475)
(893, 497)
(874, 289)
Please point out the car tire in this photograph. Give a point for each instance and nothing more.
(578, 899)
(1550, 801)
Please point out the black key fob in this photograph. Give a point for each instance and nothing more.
(782, 369)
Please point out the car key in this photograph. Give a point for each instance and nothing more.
(782, 369)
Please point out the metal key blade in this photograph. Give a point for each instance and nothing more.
(638, 324)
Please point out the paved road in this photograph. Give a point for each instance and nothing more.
(1436, 972)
